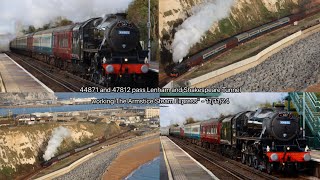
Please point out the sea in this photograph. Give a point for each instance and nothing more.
(83, 107)
(148, 171)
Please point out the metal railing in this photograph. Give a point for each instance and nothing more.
(312, 115)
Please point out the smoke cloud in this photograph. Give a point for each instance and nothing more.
(17, 14)
(58, 135)
(4, 42)
(40, 12)
(194, 27)
(238, 102)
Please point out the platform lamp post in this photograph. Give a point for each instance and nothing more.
(149, 31)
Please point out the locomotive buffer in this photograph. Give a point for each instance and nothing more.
(181, 165)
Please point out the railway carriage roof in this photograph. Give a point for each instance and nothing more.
(285, 19)
(193, 124)
(44, 32)
(64, 28)
(57, 29)
(209, 122)
(25, 35)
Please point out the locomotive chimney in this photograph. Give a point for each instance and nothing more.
(279, 107)
(124, 15)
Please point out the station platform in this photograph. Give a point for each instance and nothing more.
(181, 165)
(315, 156)
(14, 78)
(154, 66)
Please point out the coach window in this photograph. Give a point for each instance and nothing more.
(59, 40)
(65, 39)
(56, 41)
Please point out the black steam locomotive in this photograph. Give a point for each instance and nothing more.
(106, 50)
(270, 139)
(267, 139)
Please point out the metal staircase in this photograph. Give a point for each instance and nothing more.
(312, 116)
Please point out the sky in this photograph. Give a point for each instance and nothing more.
(173, 113)
(40, 12)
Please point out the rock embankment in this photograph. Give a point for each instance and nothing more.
(95, 167)
(293, 68)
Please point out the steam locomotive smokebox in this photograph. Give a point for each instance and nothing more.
(281, 126)
(123, 36)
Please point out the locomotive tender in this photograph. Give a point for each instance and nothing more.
(267, 139)
(105, 50)
(232, 42)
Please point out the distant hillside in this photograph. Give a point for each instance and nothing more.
(21, 148)
(245, 15)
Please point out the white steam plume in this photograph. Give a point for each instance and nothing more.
(238, 102)
(4, 42)
(15, 13)
(194, 27)
(56, 139)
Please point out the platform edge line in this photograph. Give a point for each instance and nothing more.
(204, 168)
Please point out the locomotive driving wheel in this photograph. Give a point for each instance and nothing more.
(97, 74)
(255, 162)
(249, 161)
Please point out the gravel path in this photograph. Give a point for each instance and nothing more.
(94, 168)
(295, 67)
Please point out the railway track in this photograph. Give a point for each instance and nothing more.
(109, 141)
(54, 78)
(222, 167)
